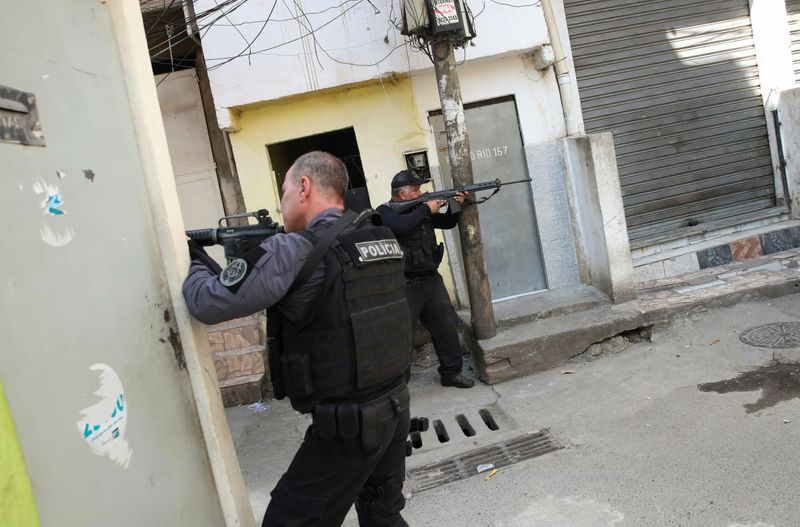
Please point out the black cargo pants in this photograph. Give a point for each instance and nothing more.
(327, 475)
(429, 303)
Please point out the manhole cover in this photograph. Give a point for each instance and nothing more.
(778, 335)
(499, 454)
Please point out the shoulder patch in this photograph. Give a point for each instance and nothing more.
(376, 250)
(234, 272)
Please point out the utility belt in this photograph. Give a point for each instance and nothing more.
(350, 419)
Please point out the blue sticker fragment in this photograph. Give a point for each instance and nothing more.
(54, 203)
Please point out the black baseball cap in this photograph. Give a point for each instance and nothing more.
(406, 178)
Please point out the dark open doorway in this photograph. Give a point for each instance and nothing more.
(342, 144)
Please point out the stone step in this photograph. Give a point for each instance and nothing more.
(241, 390)
(239, 362)
(527, 347)
(543, 305)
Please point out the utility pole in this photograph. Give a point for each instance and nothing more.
(469, 227)
(436, 27)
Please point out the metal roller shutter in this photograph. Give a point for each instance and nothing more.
(793, 10)
(677, 83)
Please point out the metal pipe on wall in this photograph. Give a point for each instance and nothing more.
(566, 80)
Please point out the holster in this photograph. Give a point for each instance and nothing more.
(348, 420)
(438, 253)
(375, 413)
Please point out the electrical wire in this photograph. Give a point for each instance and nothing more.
(535, 4)
(270, 48)
(210, 18)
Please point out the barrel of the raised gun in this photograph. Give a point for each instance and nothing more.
(204, 237)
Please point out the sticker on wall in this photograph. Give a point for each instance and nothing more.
(103, 424)
(53, 205)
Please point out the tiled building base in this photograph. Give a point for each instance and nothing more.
(238, 350)
(736, 251)
(240, 391)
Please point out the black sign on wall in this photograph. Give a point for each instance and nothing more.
(19, 119)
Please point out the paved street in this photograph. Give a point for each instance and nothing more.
(648, 439)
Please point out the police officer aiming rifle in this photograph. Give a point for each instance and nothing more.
(412, 217)
(339, 343)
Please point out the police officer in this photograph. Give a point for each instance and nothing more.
(427, 296)
(339, 343)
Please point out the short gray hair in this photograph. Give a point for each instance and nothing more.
(324, 169)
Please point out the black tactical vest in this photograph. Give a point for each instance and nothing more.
(356, 335)
(422, 253)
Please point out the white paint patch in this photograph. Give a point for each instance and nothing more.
(21, 187)
(51, 206)
(559, 512)
(52, 203)
(103, 424)
(55, 239)
(45, 76)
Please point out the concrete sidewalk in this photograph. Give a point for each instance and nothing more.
(541, 331)
(642, 444)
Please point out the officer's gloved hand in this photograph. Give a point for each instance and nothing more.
(197, 253)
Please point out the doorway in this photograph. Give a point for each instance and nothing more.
(341, 143)
(509, 230)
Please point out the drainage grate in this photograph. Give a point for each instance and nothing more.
(500, 454)
(779, 335)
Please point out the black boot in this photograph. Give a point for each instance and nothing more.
(458, 380)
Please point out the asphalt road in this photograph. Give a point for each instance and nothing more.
(692, 428)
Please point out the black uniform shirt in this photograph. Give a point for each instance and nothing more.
(405, 223)
(267, 284)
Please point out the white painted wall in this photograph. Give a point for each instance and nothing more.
(775, 69)
(789, 112)
(190, 152)
(360, 45)
(536, 94)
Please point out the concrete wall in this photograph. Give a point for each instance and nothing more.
(596, 200)
(775, 69)
(190, 151)
(116, 413)
(789, 112)
(352, 43)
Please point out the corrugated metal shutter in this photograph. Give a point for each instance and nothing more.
(677, 84)
(793, 10)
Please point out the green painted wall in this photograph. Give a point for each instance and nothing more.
(17, 507)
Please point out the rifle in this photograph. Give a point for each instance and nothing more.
(450, 194)
(236, 241)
